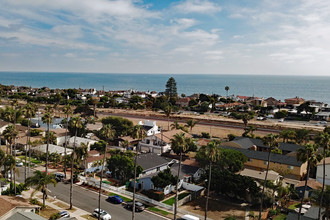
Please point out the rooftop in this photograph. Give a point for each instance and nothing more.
(7, 203)
(151, 160)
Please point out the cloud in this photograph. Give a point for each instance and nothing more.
(197, 6)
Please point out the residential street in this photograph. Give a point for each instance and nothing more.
(88, 201)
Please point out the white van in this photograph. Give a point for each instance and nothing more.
(189, 217)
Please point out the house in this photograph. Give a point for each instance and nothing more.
(257, 154)
(319, 171)
(158, 143)
(260, 175)
(3, 126)
(10, 205)
(152, 163)
(309, 214)
(41, 149)
(78, 141)
(25, 216)
(183, 102)
(94, 157)
(296, 101)
(324, 114)
(272, 102)
(311, 185)
(187, 173)
(150, 127)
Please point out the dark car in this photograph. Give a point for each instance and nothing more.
(139, 207)
(64, 214)
(59, 177)
(115, 199)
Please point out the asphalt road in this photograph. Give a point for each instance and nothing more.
(88, 201)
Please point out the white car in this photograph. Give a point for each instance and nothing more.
(281, 120)
(103, 214)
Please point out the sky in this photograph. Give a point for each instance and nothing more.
(166, 36)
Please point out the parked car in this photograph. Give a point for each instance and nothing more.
(19, 163)
(115, 199)
(103, 214)
(139, 207)
(281, 120)
(323, 122)
(64, 214)
(59, 177)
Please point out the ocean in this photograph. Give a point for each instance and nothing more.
(280, 87)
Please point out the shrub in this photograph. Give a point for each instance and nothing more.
(272, 212)
(25, 122)
(35, 132)
(231, 137)
(230, 218)
(205, 135)
(54, 216)
(156, 195)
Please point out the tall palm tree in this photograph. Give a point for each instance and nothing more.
(287, 134)
(323, 140)
(48, 119)
(302, 136)
(168, 111)
(107, 133)
(309, 153)
(180, 145)
(137, 133)
(82, 154)
(227, 89)
(269, 140)
(76, 123)
(190, 124)
(29, 111)
(2, 161)
(40, 180)
(212, 153)
(9, 164)
(67, 110)
(175, 125)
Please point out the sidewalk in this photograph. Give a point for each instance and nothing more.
(58, 205)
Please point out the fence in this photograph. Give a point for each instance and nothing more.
(121, 190)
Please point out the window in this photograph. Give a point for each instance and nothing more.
(266, 162)
(290, 167)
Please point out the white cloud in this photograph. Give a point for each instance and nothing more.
(198, 6)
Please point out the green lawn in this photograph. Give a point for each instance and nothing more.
(123, 197)
(294, 206)
(280, 217)
(33, 160)
(106, 182)
(162, 212)
(171, 200)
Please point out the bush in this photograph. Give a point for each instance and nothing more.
(205, 135)
(230, 218)
(158, 196)
(35, 132)
(54, 216)
(231, 137)
(35, 202)
(25, 122)
(273, 212)
(11, 191)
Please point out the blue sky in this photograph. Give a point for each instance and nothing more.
(163, 36)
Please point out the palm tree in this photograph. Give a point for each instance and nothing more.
(107, 133)
(212, 153)
(82, 154)
(47, 119)
(40, 180)
(191, 123)
(137, 133)
(323, 140)
(309, 153)
(269, 140)
(302, 136)
(76, 123)
(227, 89)
(167, 111)
(287, 134)
(175, 125)
(179, 144)
(67, 110)
(29, 111)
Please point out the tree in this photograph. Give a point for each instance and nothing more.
(47, 119)
(164, 178)
(40, 180)
(269, 140)
(246, 118)
(309, 153)
(122, 126)
(67, 110)
(190, 124)
(107, 133)
(302, 136)
(77, 124)
(323, 140)
(171, 90)
(137, 133)
(249, 130)
(227, 89)
(212, 152)
(168, 111)
(180, 145)
(287, 134)
(29, 111)
(322, 198)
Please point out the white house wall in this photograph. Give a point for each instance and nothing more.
(319, 174)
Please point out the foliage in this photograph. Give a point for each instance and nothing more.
(206, 135)
(84, 110)
(231, 137)
(52, 138)
(181, 144)
(54, 216)
(121, 166)
(230, 218)
(11, 191)
(98, 145)
(35, 132)
(25, 122)
(163, 179)
(122, 126)
(77, 124)
(156, 195)
(171, 90)
(281, 114)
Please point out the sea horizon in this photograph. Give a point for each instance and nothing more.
(277, 86)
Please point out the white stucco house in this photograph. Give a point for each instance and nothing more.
(319, 171)
(79, 140)
(150, 127)
(52, 149)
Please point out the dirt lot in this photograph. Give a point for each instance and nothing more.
(217, 210)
